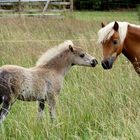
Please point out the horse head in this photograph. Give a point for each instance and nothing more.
(111, 38)
(81, 58)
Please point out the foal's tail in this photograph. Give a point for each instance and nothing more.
(1, 100)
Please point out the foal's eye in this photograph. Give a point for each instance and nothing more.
(115, 42)
(82, 55)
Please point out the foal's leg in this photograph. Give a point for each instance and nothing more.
(41, 108)
(52, 104)
(5, 109)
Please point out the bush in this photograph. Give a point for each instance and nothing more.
(87, 4)
(104, 4)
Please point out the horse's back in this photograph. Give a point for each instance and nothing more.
(11, 67)
(10, 72)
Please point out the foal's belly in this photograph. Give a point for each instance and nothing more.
(30, 95)
(29, 98)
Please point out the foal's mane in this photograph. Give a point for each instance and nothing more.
(53, 52)
(106, 32)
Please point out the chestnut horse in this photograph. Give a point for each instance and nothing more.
(42, 82)
(117, 38)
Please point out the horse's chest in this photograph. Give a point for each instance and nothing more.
(53, 86)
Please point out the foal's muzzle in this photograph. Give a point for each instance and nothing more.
(108, 63)
(94, 62)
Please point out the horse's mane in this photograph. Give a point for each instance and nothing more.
(53, 52)
(106, 32)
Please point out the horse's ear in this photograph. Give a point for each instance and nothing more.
(116, 26)
(102, 24)
(71, 48)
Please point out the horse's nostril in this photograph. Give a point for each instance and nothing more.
(105, 65)
(94, 62)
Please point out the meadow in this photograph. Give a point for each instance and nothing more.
(94, 104)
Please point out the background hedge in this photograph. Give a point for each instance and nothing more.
(105, 4)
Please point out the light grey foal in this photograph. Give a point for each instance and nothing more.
(42, 82)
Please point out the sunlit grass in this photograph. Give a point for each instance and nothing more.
(93, 104)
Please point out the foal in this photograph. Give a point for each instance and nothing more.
(42, 82)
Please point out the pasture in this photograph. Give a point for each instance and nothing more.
(94, 104)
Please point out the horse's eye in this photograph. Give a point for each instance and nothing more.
(115, 42)
(82, 55)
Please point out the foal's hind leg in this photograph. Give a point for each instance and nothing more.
(41, 108)
(5, 109)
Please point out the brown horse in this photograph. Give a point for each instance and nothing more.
(42, 82)
(117, 38)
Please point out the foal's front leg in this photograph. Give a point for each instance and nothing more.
(41, 108)
(52, 105)
(4, 110)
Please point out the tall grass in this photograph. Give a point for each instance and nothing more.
(94, 104)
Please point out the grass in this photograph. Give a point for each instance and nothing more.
(108, 16)
(94, 104)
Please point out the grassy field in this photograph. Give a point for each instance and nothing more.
(94, 104)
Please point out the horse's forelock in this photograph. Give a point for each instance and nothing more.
(106, 32)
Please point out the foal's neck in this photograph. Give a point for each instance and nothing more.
(132, 47)
(60, 64)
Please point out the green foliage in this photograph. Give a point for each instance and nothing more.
(87, 4)
(93, 4)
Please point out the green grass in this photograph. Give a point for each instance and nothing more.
(94, 104)
(107, 16)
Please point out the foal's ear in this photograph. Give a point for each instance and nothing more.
(102, 24)
(116, 26)
(71, 48)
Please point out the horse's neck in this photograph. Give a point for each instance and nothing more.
(132, 47)
(60, 65)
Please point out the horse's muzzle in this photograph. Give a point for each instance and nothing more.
(108, 63)
(94, 62)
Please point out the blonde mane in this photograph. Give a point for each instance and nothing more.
(106, 32)
(53, 52)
